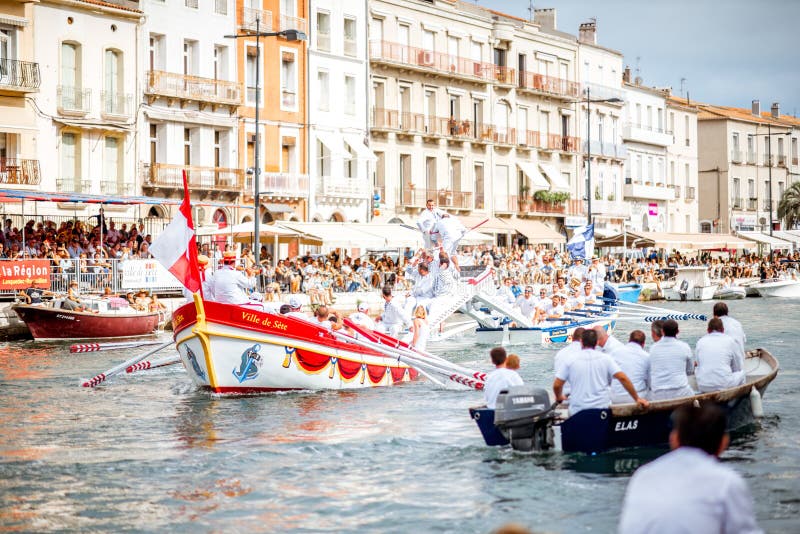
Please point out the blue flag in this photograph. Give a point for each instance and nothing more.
(582, 242)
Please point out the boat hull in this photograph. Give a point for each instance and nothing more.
(538, 335)
(731, 293)
(238, 351)
(629, 292)
(693, 293)
(781, 288)
(47, 323)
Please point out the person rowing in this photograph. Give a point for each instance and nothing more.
(718, 359)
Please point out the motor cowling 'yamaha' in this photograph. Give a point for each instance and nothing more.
(524, 415)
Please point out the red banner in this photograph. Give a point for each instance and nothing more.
(24, 274)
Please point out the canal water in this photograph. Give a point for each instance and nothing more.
(149, 453)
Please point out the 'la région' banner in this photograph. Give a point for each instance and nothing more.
(147, 274)
(24, 274)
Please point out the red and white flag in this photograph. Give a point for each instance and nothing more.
(176, 247)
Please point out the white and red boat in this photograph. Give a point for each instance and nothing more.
(234, 350)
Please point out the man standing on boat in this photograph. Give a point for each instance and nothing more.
(394, 318)
(718, 363)
(232, 286)
(426, 222)
(565, 355)
(671, 363)
(499, 379)
(732, 327)
(590, 374)
(450, 232)
(635, 363)
(688, 489)
(422, 292)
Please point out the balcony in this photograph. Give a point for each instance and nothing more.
(652, 192)
(609, 207)
(207, 179)
(279, 184)
(677, 189)
(736, 156)
(506, 204)
(19, 171)
(562, 143)
(459, 200)
(18, 76)
(738, 203)
(529, 138)
(184, 88)
(74, 100)
(794, 161)
(115, 104)
(766, 205)
(604, 92)
(428, 61)
(249, 17)
(540, 206)
(650, 135)
(433, 127)
(504, 75)
(609, 150)
(191, 4)
(752, 204)
(768, 160)
(548, 85)
(689, 193)
(781, 161)
(288, 22)
(73, 185)
(342, 187)
(751, 158)
(108, 187)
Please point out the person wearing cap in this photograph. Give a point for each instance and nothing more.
(526, 302)
(232, 286)
(361, 317)
(73, 301)
(295, 309)
(578, 269)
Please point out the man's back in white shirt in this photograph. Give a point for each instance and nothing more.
(671, 362)
(498, 380)
(635, 363)
(589, 373)
(734, 329)
(718, 365)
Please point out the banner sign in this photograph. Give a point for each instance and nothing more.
(147, 274)
(652, 209)
(24, 274)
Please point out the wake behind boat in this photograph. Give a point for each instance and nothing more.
(527, 419)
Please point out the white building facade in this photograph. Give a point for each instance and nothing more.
(190, 96)
(87, 100)
(340, 161)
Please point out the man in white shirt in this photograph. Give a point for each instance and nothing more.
(295, 307)
(526, 302)
(717, 355)
(232, 286)
(566, 354)
(499, 379)
(504, 293)
(426, 223)
(578, 269)
(605, 342)
(688, 489)
(671, 363)
(590, 373)
(450, 231)
(732, 327)
(422, 292)
(394, 318)
(361, 317)
(634, 362)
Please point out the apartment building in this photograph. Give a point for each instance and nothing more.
(747, 159)
(19, 80)
(190, 98)
(682, 165)
(279, 81)
(601, 124)
(340, 161)
(473, 109)
(86, 114)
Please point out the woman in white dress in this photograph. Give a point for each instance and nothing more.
(420, 329)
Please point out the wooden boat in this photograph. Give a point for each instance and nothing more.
(232, 350)
(49, 322)
(554, 332)
(691, 283)
(542, 426)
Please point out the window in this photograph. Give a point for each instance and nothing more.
(452, 51)
(113, 100)
(649, 117)
(751, 189)
(686, 130)
(686, 174)
(477, 116)
(323, 160)
(153, 144)
(221, 7)
(155, 52)
(751, 148)
(479, 201)
(111, 165)
(8, 37)
(251, 67)
(289, 8)
(219, 154)
(476, 53)
(660, 119)
(672, 122)
(323, 31)
(71, 97)
(378, 93)
(428, 40)
(324, 90)
(350, 95)
(736, 194)
(70, 148)
(735, 144)
(430, 173)
(190, 57)
(220, 62)
(638, 115)
(288, 80)
(350, 39)
(187, 146)
(794, 151)
(672, 172)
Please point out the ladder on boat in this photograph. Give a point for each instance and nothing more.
(504, 308)
(445, 306)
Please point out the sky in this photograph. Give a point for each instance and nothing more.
(730, 52)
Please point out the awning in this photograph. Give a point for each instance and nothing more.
(334, 143)
(766, 239)
(535, 231)
(394, 235)
(277, 208)
(788, 236)
(492, 226)
(474, 237)
(190, 116)
(85, 198)
(243, 233)
(362, 151)
(538, 182)
(557, 183)
(338, 235)
(675, 241)
(96, 126)
(11, 20)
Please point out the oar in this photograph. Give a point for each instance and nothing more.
(94, 347)
(121, 367)
(153, 364)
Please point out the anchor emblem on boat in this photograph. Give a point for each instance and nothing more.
(196, 366)
(251, 362)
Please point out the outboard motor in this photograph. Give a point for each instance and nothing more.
(524, 415)
(683, 289)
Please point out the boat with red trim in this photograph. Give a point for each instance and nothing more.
(236, 350)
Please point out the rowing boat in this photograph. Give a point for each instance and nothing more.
(553, 332)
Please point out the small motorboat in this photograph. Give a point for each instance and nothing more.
(730, 293)
(557, 331)
(527, 419)
(629, 292)
(100, 319)
(691, 283)
(786, 288)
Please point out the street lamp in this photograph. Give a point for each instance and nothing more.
(589, 101)
(289, 35)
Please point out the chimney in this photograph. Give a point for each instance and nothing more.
(638, 80)
(776, 110)
(756, 108)
(626, 74)
(546, 18)
(587, 32)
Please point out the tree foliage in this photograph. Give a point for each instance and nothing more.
(789, 206)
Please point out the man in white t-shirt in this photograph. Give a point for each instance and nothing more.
(605, 342)
(717, 357)
(566, 354)
(635, 363)
(361, 317)
(590, 373)
(499, 379)
(732, 327)
(526, 302)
